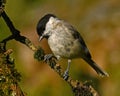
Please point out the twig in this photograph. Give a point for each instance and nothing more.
(15, 33)
(2, 5)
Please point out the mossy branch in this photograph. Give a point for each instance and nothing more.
(79, 88)
(9, 77)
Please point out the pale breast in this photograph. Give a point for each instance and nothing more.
(63, 44)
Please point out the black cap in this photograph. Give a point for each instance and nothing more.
(42, 23)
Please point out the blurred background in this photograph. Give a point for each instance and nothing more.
(98, 21)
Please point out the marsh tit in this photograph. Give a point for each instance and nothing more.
(65, 41)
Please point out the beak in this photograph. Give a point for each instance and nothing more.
(40, 38)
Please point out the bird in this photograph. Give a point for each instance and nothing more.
(65, 42)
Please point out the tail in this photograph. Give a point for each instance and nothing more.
(99, 71)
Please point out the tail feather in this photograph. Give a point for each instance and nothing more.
(99, 71)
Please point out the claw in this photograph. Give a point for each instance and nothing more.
(48, 57)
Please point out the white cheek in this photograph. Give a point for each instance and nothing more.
(48, 29)
(50, 24)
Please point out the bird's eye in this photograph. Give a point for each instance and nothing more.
(40, 31)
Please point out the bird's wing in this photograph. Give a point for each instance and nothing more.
(77, 35)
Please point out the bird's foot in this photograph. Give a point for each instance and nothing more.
(48, 57)
(66, 75)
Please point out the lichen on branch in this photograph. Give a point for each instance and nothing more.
(9, 76)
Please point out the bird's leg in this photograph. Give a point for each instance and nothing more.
(66, 73)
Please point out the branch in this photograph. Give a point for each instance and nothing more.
(16, 33)
(9, 77)
(78, 88)
(2, 5)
